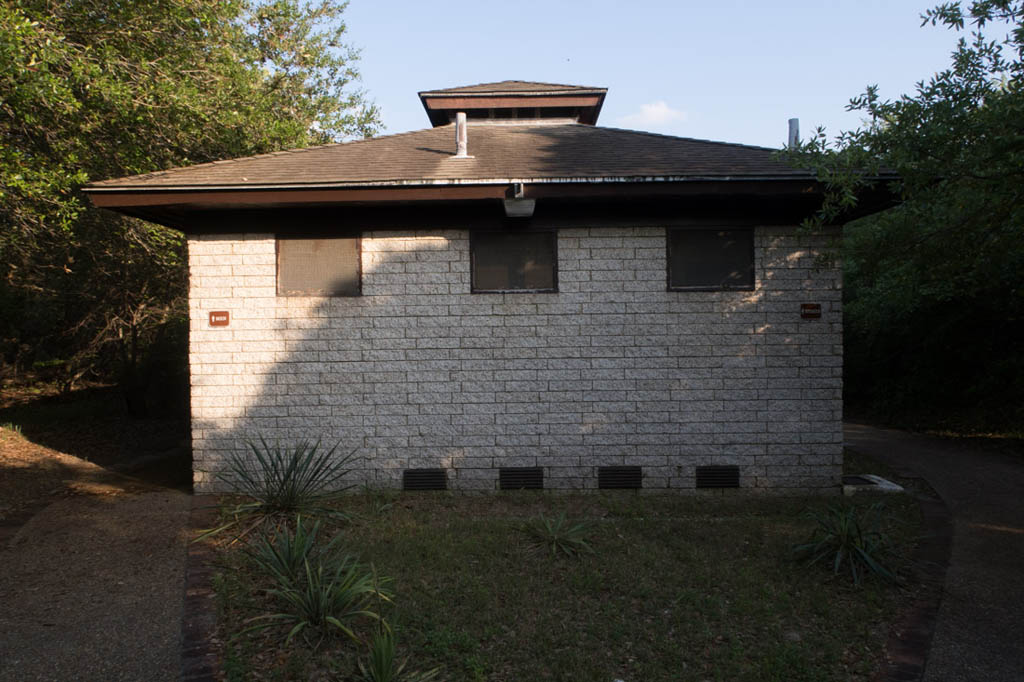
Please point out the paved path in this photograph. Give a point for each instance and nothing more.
(91, 588)
(980, 632)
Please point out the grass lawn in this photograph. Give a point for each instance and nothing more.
(678, 588)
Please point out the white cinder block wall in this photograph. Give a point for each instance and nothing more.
(611, 370)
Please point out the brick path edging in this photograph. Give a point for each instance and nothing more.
(199, 662)
(906, 651)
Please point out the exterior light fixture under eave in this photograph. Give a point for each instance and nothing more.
(518, 206)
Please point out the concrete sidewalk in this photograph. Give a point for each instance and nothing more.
(91, 588)
(979, 636)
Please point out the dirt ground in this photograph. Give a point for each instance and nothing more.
(32, 476)
(93, 558)
(48, 439)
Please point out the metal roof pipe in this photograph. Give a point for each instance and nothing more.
(794, 133)
(461, 137)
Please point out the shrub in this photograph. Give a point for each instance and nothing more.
(845, 535)
(560, 536)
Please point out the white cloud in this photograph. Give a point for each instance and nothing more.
(654, 115)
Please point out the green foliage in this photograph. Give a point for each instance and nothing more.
(559, 535)
(847, 537)
(284, 554)
(92, 90)
(283, 481)
(333, 592)
(933, 298)
(705, 581)
(10, 426)
(382, 664)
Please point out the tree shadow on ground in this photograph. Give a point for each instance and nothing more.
(93, 424)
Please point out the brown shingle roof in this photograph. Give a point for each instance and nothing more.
(528, 152)
(512, 88)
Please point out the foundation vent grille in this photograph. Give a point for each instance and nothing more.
(424, 479)
(718, 476)
(521, 478)
(619, 478)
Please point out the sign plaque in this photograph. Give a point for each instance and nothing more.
(810, 311)
(219, 318)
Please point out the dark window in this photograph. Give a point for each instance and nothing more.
(514, 261)
(318, 267)
(711, 259)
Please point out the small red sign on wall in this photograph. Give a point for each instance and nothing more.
(219, 318)
(810, 311)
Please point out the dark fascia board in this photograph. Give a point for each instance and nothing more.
(551, 213)
(219, 198)
(436, 207)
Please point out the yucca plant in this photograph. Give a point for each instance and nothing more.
(560, 536)
(848, 538)
(281, 481)
(382, 665)
(284, 554)
(330, 594)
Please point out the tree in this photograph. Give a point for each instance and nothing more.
(93, 89)
(934, 298)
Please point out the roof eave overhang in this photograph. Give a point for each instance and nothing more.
(179, 207)
(228, 196)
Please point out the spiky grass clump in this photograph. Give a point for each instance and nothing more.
(281, 482)
(382, 664)
(283, 555)
(330, 593)
(559, 535)
(848, 538)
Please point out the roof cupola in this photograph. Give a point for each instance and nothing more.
(510, 101)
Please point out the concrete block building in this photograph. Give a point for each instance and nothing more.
(512, 298)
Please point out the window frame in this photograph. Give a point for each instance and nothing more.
(702, 287)
(311, 236)
(474, 237)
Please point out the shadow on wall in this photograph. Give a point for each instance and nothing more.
(611, 370)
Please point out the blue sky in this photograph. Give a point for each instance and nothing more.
(728, 70)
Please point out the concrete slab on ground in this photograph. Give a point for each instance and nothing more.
(981, 618)
(92, 589)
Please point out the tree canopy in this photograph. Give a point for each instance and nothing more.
(93, 89)
(934, 297)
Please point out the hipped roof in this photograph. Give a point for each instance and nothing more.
(533, 153)
(574, 168)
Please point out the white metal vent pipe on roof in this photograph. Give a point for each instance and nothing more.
(794, 133)
(461, 136)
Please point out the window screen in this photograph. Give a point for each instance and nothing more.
(711, 259)
(514, 261)
(317, 267)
